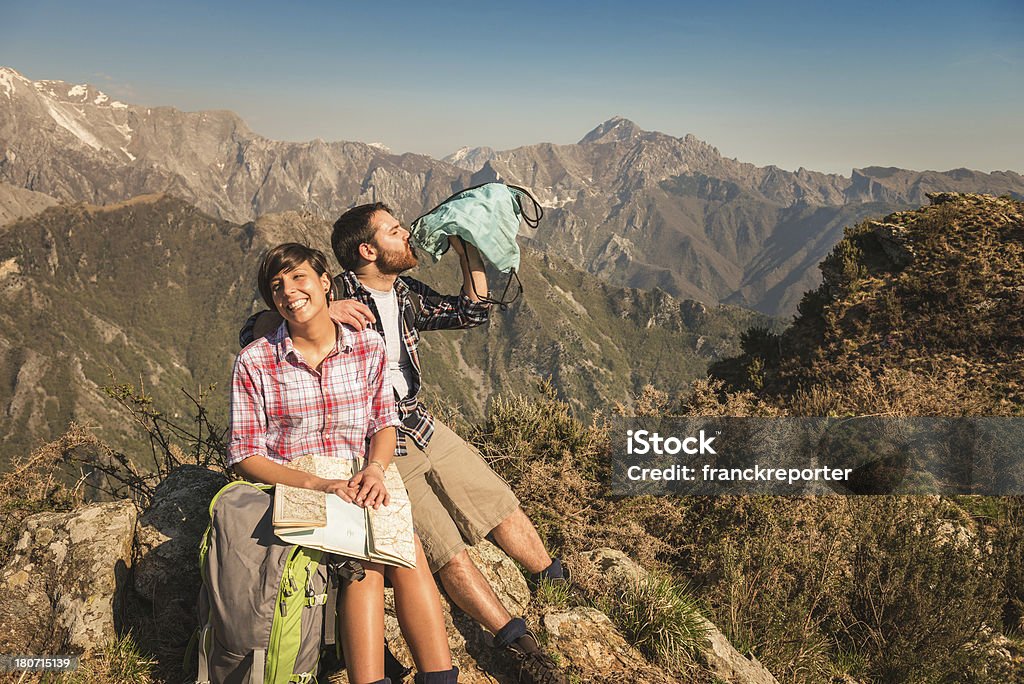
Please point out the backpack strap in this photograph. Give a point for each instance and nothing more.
(259, 666)
(203, 676)
(331, 611)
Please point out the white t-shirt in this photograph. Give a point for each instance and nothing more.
(399, 363)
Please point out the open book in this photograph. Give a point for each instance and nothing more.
(327, 522)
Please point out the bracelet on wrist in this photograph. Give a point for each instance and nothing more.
(378, 464)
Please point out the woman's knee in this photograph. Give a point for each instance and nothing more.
(373, 581)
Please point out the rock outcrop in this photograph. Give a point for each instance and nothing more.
(16, 203)
(64, 587)
(166, 570)
(588, 642)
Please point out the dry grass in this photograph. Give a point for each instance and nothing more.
(42, 482)
(661, 618)
(119, 662)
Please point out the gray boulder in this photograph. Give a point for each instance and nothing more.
(167, 543)
(63, 587)
(587, 641)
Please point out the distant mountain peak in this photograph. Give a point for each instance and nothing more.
(58, 91)
(470, 158)
(8, 77)
(11, 73)
(615, 129)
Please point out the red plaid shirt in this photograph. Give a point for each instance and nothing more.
(282, 409)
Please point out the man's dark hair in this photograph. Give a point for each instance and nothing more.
(286, 258)
(353, 229)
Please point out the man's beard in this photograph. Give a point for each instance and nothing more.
(394, 262)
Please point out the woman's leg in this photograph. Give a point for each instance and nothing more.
(361, 608)
(418, 606)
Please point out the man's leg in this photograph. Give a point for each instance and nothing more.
(472, 593)
(519, 539)
(478, 501)
(445, 548)
(482, 503)
(467, 587)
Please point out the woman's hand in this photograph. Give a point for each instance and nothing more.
(343, 488)
(371, 488)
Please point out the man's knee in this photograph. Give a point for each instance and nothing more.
(516, 520)
(459, 564)
(516, 512)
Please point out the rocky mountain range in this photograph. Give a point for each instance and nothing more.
(650, 210)
(637, 208)
(76, 144)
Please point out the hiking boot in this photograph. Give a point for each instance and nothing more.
(532, 665)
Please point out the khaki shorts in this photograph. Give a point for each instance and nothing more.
(456, 498)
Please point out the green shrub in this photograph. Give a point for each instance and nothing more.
(1009, 541)
(660, 618)
(771, 570)
(921, 591)
(38, 483)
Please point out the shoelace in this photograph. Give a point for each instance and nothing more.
(540, 667)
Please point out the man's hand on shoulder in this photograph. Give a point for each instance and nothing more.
(352, 312)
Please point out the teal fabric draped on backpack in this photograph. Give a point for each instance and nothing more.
(487, 216)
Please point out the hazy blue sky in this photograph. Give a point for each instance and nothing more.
(827, 86)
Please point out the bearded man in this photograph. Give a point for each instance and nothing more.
(456, 498)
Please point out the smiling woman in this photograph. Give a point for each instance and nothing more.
(314, 386)
(294, 280)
